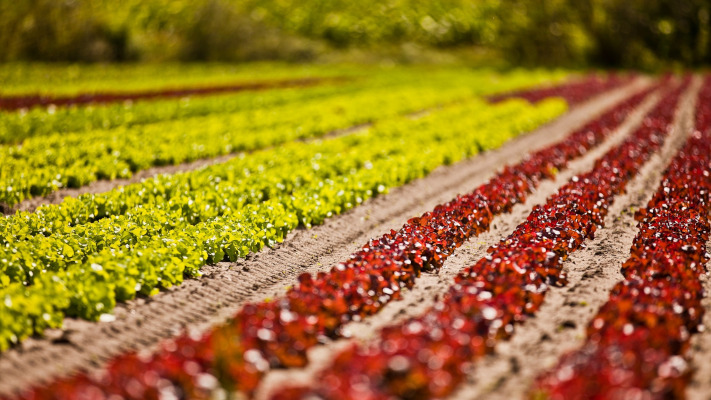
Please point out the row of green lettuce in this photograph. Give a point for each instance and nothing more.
(16, 126)
(81, 257)
(46, 163)
(17, 79)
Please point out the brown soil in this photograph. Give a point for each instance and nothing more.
(700, 386)
(200, 304)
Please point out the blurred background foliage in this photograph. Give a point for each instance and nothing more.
(646, 34)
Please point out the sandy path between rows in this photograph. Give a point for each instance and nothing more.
(700, 385)
(200, 304)
(421, 297)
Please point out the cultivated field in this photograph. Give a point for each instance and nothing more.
(208, 231)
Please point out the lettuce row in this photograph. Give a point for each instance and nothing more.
(18, 126)
(44, 164)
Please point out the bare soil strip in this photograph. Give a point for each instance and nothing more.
(200, 304)
(11, 103)
(559, 326)
(700, 385)
(422, 296)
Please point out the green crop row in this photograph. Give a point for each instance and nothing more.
(76, 79)
(18, 126)
(42, 165)
(81, 257)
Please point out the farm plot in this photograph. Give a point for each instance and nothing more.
(145, 235)
(80, 257)
(64, 149)
(413, 313)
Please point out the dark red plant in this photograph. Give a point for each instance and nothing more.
(573, 92)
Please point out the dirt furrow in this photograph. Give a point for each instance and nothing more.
(200, 304)
(559, 326)
(700, 385)
(421, 297)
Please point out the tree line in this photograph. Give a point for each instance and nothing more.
(647, 34)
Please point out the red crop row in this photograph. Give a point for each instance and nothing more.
(278, 333)
(636, 344)
(34, 100)
(428, 356)
(573, 92)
